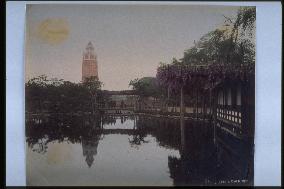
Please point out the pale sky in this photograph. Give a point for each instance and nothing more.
(129, 40)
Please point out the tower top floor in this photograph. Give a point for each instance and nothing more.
(89, 53)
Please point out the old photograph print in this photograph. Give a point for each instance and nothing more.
(139, 95)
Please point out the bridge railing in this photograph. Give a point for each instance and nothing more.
(117, 108)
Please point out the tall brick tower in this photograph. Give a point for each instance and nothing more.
(89, 64)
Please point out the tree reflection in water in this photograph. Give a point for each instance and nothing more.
(138, 136)
(198, 163)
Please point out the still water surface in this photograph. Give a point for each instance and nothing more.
(132, 150)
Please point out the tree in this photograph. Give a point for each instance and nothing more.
(243, 28)
(93, 85)
(35, 91)
(56, 95)
(232, 43)
(146, 87)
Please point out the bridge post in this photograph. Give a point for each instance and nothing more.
(182, 120)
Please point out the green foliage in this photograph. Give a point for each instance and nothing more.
(146, 86)
(56, 95)
(92, 84)
(234, 43)
(246, 19)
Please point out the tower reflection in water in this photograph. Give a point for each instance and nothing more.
(90, 149)
(90, 138)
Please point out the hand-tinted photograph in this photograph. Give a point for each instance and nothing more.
(139, 95)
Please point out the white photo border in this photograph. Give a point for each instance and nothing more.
(267, 171)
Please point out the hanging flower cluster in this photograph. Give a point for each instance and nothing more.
(176, 76)
(240, 72)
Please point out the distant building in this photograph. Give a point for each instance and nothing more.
(89, 64)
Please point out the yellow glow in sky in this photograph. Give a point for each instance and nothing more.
(53, 31)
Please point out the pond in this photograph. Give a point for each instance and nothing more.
(121, 150)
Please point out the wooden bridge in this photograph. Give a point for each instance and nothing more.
(117, 111)
(117, 108)
(118, 131)
(123, 92)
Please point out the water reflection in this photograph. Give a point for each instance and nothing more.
(90, 149)
(188, 158)
(197, 162)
